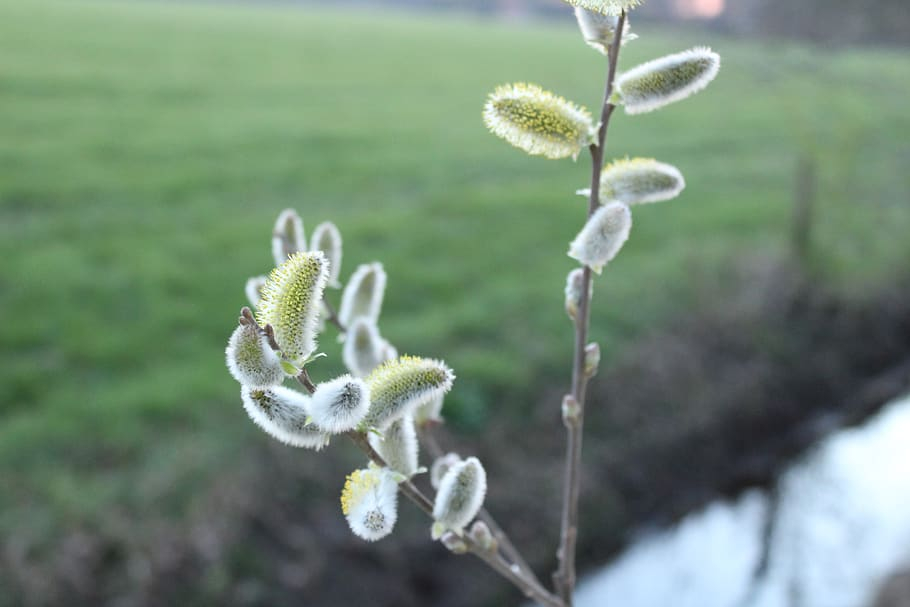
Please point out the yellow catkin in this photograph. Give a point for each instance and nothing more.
(537, 121)
(291, 300)
(356, 485)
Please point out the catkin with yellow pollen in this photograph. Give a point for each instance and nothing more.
(398, 386)
(537, 121)
(291, 302)
(369, 502)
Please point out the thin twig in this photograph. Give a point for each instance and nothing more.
(530, 587)
(564, 577)
(333, 316)
(247, 319)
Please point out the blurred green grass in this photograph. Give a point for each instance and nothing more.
(145, 150)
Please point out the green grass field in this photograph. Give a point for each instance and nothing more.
(145, 150)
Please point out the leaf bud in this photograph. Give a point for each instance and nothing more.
(480, 534)
(592, 359)
(574, 288)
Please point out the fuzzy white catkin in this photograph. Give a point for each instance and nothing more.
(660, 82)
(430, 410)
(538, 121)
(287, 236)
(327, 238)
(598, 29)
(251, 360)
(362, 296)
(340, 404)
(253, 290)
(460, 496)
(440, 466)
(606, 7)
(369, 502)
(364, 348)
(292, 301)
(398, 386)
(640, 181)
(602, 237)
(283, 413)
(398, 446)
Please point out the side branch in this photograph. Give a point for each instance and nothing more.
(529, 587)
(564, 577)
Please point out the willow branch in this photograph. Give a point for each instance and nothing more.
(564, 577)
(529, 587)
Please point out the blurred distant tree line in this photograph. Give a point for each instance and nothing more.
(821, 21)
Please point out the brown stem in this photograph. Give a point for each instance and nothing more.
(564, 577)
(333, 316)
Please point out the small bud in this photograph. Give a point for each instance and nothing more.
(369, 502)
(440, 466)
(598, 29)
(480, 534)
(340, 405)
(253, 289)
(606, 7)
(640, 181)
(287, 237)
(362, 296)
(398, 446)
(429, 410)
(251, 360)
(454, 543)
(460, 495)
(592, 359)
(364, 349)
(574, 288)
(571, 411)
(657, 83)
(327, 238)
(284, 414)
(602, 237)
(537, 121)
(291, 301)
(398, 386)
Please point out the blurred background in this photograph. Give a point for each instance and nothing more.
(754, 331)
